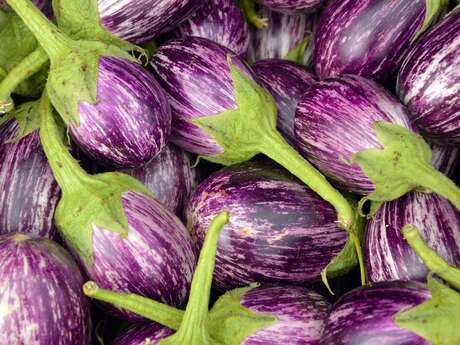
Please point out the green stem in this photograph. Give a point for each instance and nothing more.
(435, 181)
(248, 7)
(68, 173)
(46, 33)
(158, 312)
(431, 259)
(194, 327)
(26, 68)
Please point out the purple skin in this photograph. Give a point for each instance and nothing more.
(287, 82)
(428, 82)
(292, 5)
(156, 260)
(283, 33)
(364, 316)
(221, 21)
(387, 254)
(445, 158)
(131, 122)
(200, 67)
(28, 190)
(170, 177)
(369, 38)
(335, 119)
(301, 315)
(279, 229)
(143, 334)
(41, 297)
(139, 21)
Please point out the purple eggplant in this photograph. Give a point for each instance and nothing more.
(370, 38)
(286, 36)
(28, 190)
(428, 82)
(445, 158)
(279, 229)
(221, 21)
(293, 5)
(360, 136)
(143, 334)
(287, 82)
(389, 257)
(365, 315)
(41, 297)
(170, 177)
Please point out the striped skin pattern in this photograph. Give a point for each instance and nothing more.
(195, 74)
(41, 300)
(131, 121)
(387, 254)
(279, 230)
(335, 119)
(364, 315)
(139, 21)
(156, 260)
(283, 33)
(221, 21)
(143, 334)
(428, 82)
(170, 177)
(292, 5)
(28, 190)
(369, 38)
(445, 158)
(287, 82)
(301, 315)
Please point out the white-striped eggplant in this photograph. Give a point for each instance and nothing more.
(370, 38)
(221, 21)
(28, 191)
(290, 6)
(428, 82)
(41, 300)
(365, 315)
(445, 158)
(359, 135)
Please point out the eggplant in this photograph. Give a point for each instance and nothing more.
(428, 82)
(360, 136)
(115, 110)
(370, 38)
(287, 82)
(445, 158)
(143, 334)
(170, 177)
(28, 191)
(285, 36)
(389, 257)
(221, 21)
(280, 231)
(293, 5)
(41, 297)
(124, 238)
(365, 315)
(271, 315)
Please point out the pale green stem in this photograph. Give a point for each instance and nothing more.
(248, 7)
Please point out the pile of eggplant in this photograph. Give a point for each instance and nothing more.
(229, 172)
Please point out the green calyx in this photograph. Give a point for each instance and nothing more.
(250, 12)
(404, 164)
(86, 201)
(434, 9)
(27, 115)
(302, 51)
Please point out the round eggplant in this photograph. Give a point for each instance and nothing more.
(445, 158)
(292, 5)
(143, 334)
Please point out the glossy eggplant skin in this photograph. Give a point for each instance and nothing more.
(369, 38)
(142, 334)
(290, 6)
(387, 254)
(28, 191)
(221, 21)
(364, 315)
(41, 298)
(279, 230)
(335, 119)
(429, 81)
(287, 82)
(445, 158)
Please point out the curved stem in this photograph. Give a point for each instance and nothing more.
(158, 312)
(68, 173)
(248, 7)
(26, 68)
(430, 258)
(46, 33)
(359, 253)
